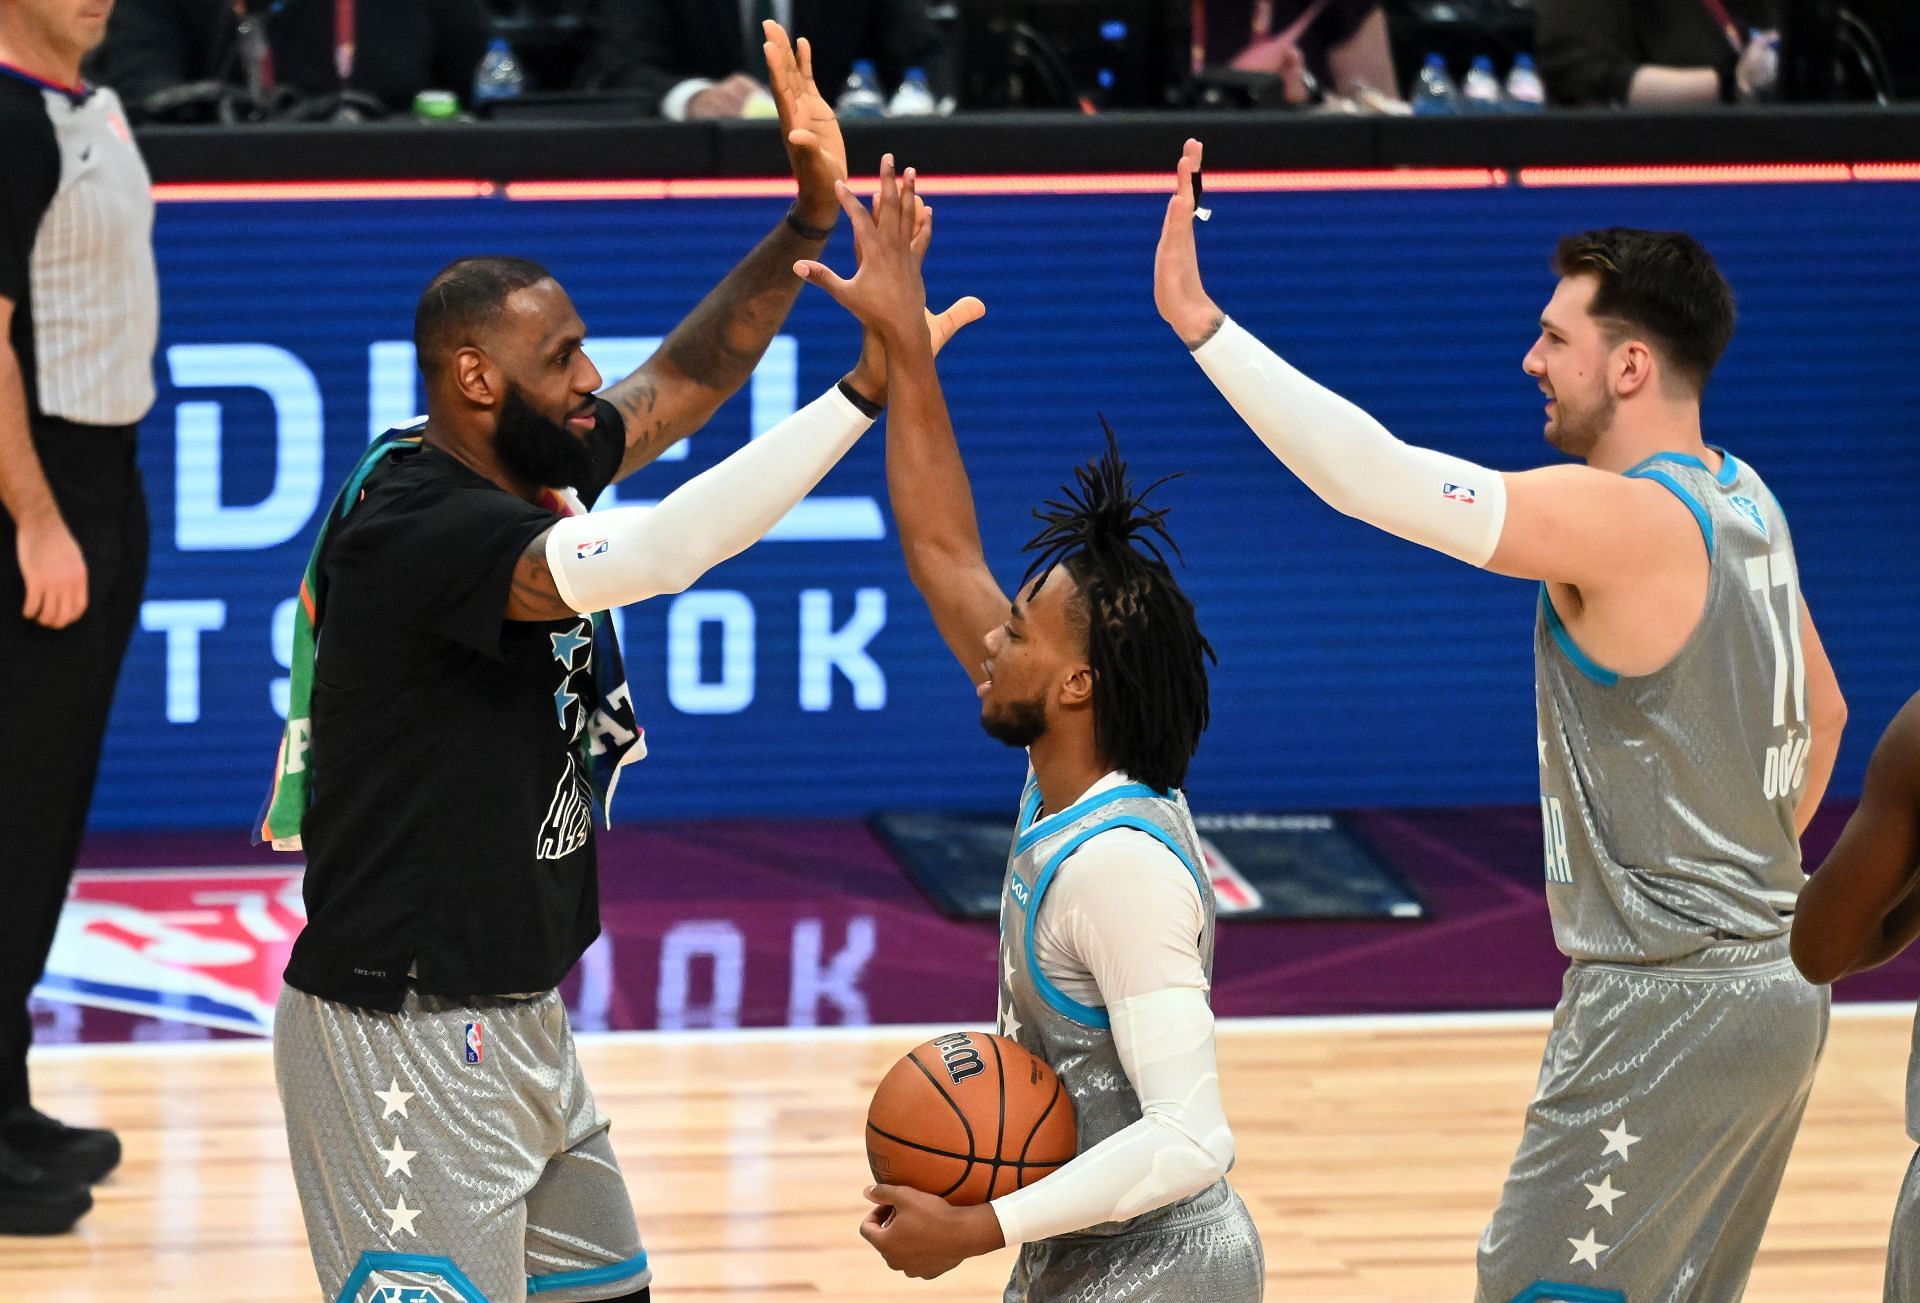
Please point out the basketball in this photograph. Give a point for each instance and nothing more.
(969, 1117)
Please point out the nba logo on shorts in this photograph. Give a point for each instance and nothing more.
(474, 1048)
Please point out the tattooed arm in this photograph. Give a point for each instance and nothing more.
(711, 353)
(533, 595)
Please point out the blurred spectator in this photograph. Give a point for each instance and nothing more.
(702, 59)
(383, 51)
(1647, 53)
(1338, 45)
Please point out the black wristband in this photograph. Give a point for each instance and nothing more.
(1729, 74)
(801, 229)
(868, 408)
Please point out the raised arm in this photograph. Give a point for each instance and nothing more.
(710, 354)
(1860, 909)
(1566, 524)
(926, 480)
(628, 554)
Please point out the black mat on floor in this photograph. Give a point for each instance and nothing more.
(1263, 865)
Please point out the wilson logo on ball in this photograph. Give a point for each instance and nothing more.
(962, 1060)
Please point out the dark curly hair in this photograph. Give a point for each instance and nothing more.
(1143, 643)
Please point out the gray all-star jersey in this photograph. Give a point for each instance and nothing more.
(1075, 1039)
(1913, 1083)
(1668, 798)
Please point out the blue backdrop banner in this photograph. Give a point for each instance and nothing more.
(804, 678)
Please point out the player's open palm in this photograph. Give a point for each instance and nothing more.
(941, 326)
(886, 292)
(1177, 291)
(55, 575)
(807, 125)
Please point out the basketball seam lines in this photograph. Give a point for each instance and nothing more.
(1040, 1121)
(1000, 1137)
(958, 1112)
(946, 1153)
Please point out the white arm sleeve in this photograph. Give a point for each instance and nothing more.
(610, 558)
(1350, 459)
(1126, 912)
(1179, 1147)
(673, 106)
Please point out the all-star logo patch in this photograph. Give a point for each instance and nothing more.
(1749, 511)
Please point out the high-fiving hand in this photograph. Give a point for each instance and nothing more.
(1177, 291)
(886, 292)
(807, 125)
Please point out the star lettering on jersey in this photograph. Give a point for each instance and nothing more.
(1007, 956)
(1587, 1250)
(561, 700)
(1009, 1025)
(1541, 738)
(402, 1218)
(566, 644)
(394, 1098)
(401, 1160)
(1619, 1141)
(1603, 1194)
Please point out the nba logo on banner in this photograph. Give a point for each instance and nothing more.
(474, 1049)
(581, 551)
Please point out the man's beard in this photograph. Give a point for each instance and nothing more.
(536, 450)
(1018, 723)
(1576, 433)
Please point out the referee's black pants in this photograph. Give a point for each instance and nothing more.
(56, 687)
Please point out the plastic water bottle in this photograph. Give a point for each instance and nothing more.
(913, 98)
(500, 76)
(861, 98)
(1434, 92)
(1525, 93)
(1481, 90)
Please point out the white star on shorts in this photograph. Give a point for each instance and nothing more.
(401, 1160)
(402, 1217)
(1587, 1250)
(1603, 1194)
(394, 1098)
(1619, 1141)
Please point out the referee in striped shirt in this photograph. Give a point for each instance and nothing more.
(78, 322)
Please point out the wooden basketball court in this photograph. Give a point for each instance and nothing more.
(1369, 1150)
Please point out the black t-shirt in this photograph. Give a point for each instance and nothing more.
(28, 182)
(445, 835)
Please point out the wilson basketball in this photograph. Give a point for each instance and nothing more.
(969, 1117)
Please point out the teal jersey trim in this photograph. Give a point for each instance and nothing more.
(425, 1264)
(1084, 1014)
(1557, 1291)
(1729, 464)
(1588, 666)
(606, 1275)
(1053, 823)
(1679, 490)
(1029, 807)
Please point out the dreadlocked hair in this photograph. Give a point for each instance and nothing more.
(1144, 646)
